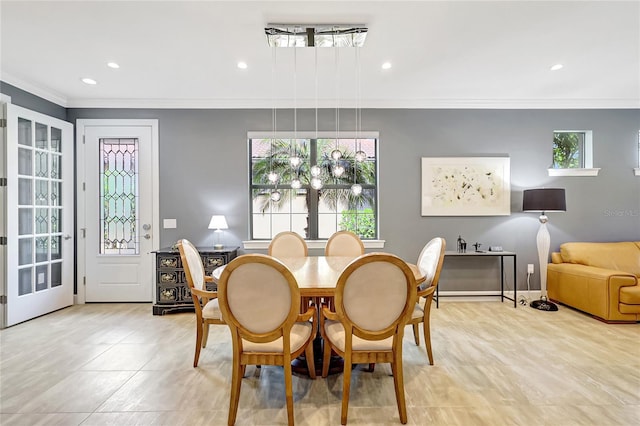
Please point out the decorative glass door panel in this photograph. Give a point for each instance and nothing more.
(39, 214)
(119, 196)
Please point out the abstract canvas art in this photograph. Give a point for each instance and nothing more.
(466, 186)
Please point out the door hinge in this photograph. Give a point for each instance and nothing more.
(3, 123)
(83, 139)
(3, 300)
(84, 280)
(3, 182)
(3, 241)
(84, 232)
(84, 186)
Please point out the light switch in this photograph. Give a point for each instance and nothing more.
(169, 223)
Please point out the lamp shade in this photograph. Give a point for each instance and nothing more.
(218, 222)
(544, 200)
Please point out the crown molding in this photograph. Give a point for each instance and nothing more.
(36, 90)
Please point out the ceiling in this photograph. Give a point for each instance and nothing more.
(446, 54)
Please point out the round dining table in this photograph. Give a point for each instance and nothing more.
(317, 276)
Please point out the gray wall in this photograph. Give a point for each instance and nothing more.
(204, 170)
(35, 103)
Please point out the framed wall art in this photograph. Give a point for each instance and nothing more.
(466, 186)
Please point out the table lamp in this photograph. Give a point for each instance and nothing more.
(544, 200)
(218, 222)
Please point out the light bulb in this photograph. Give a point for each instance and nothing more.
(296, 184)
(360, 156)
(316, 183)
(315, 171)
(275, 196)
(273, 177)
(336, 154)
(356, 189)
(338, 171)
(295, 161)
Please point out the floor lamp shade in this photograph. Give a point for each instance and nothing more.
(543, 200)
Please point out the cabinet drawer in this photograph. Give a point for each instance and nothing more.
(212, 261)
(169, 261)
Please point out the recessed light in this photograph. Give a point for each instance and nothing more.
(242, 65)
(386, 65)
(89, 81)
(556, 67)
(113, 65)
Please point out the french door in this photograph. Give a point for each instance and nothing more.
(117, 209)
(39, 214)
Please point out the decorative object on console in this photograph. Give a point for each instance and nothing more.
(544, 200)
(462, 245)
(218, 222)
(477, 247)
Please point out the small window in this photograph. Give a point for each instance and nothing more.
(572, 153)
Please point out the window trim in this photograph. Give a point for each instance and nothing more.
(311, 134)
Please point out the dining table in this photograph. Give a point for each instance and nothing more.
(317, 277)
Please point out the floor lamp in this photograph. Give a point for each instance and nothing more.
(544, 200)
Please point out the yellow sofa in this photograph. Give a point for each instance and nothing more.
(601, 279)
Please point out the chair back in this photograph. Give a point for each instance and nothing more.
(375, 294)
(259, 296)
(288, 244)
(430, 262)
(192, 264)
(344, 243)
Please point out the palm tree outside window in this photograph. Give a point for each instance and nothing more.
(313, 213)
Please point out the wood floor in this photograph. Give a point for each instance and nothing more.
(116, 364)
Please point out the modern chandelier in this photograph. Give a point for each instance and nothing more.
(310, 35)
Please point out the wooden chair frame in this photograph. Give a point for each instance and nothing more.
(427, 293)
(242, 358)
(330, 250)
(273, 251)
(396, 329)
(200, 295)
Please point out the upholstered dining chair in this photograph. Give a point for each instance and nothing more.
(430, 263)
(344, 243)
(374, 299)
(259, 300)
(205, 302)
(288, 244)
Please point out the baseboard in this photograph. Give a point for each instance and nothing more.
(485, 296)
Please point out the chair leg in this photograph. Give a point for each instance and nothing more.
(311, 364)
(346, 387)
(236, 383)
(427, 340)
(205, 334)
(198, 342)
(326, 358)
(416, 334)
(398, 382)
(288, 389)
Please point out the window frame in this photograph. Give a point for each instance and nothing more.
(313, 210)
(586, 156)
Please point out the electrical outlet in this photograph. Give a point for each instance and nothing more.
(530, 268)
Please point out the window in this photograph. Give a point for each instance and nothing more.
(286, 197)
(572, 153)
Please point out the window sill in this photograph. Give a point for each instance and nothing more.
(636, 171)
(312, 244)
(574, 172)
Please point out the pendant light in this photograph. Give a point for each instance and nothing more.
(273, 177)
(360, 155)
(294, 160)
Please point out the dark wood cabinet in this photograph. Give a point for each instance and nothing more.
(172, 290)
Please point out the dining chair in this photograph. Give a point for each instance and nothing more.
(344, 243)
(205, 302)
(259, 300)
(374, 299)
(288, 244)
(430, 263)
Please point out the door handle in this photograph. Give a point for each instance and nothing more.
(147, 236)
(146, 226)
(67, 237)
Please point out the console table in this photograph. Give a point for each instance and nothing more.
(172, 289)
(489, 254)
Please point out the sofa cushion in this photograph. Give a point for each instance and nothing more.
(630, 295)
(619, 256)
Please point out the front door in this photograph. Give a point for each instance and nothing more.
(39, 214)
(117, 209)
